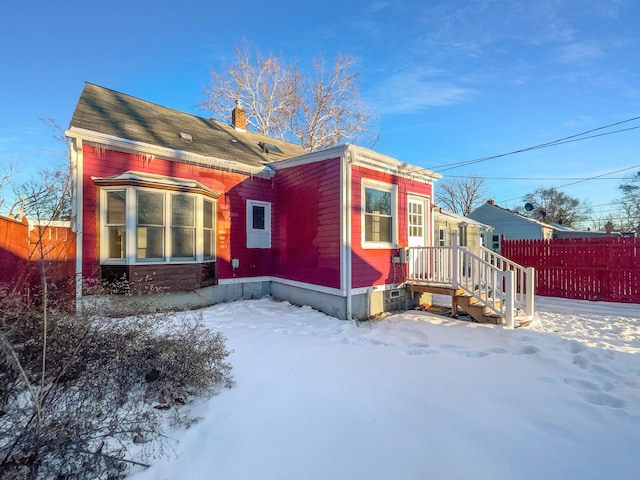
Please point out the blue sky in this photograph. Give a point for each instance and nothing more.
(449, 81)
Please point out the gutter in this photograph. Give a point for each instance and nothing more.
(345, 214)
(75, 156)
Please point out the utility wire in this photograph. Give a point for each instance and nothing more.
(555, 179)
(560, 141)
(579, 181)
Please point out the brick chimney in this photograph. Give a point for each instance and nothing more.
(239, 117)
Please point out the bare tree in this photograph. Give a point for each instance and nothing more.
(315, 110)
(629, 204)
(5, 178)
(47, 195)
(330, 112)
(462, 195)
(551, 205)
(266, 86)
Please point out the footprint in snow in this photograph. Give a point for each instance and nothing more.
(602, 399)
(463, 352)
(574, 382)
(576, 347)
(526, 350)
(498, 350)
(582, 362)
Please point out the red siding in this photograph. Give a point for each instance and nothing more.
(373, 266)
(234, 188)
(307, 223)
(305, 218)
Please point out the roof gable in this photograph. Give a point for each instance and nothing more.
(122, 116)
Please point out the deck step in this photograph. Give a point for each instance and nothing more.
(475, 307)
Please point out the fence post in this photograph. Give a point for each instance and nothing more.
(455, 260)
(530, 286)
(509, 282)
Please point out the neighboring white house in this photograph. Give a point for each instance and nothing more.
(562, 231)
(471, 234)
(509, 225)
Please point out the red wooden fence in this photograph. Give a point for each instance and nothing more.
(606, 268)
(25, 251)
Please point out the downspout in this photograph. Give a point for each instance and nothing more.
(75, 156)
(345, 173)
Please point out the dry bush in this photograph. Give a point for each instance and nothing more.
(79, 394)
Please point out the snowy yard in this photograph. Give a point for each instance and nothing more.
(418, 396)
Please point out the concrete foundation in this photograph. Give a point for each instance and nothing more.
(365, 303)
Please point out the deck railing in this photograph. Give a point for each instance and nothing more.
(501, 285)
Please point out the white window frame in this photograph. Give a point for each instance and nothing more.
(463, 234)
(495, 242)
(258, 237)
(105, 250)
(442, 236)
(383, 187)
(131, 237)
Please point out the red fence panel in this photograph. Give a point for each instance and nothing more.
(25, 251)
(606, 268)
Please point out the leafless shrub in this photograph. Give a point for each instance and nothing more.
(84, 396)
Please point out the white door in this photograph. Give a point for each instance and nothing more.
(417, 230)
(418, 235)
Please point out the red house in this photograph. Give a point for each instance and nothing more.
(211, 212)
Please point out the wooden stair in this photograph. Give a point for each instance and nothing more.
(461, 300)
(478, 309)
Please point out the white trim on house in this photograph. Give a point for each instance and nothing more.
(362, 157)
(169, 154)
(77, 172)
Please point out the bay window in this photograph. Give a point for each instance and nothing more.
(144, 220)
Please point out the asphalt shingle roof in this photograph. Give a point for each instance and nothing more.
(113, 113)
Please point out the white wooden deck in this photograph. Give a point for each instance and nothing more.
(489, 287)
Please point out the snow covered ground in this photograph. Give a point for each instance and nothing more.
(418, 396)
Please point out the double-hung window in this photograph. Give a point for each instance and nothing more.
(115, 224)
(208, 238)
(462, 235)
(183, 227)
(150, 228)
(379, 214)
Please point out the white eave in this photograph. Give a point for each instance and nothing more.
(365, 158)
(171, 154)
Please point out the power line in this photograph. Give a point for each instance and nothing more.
(535, 178)
(560, 141)
(580, 181)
